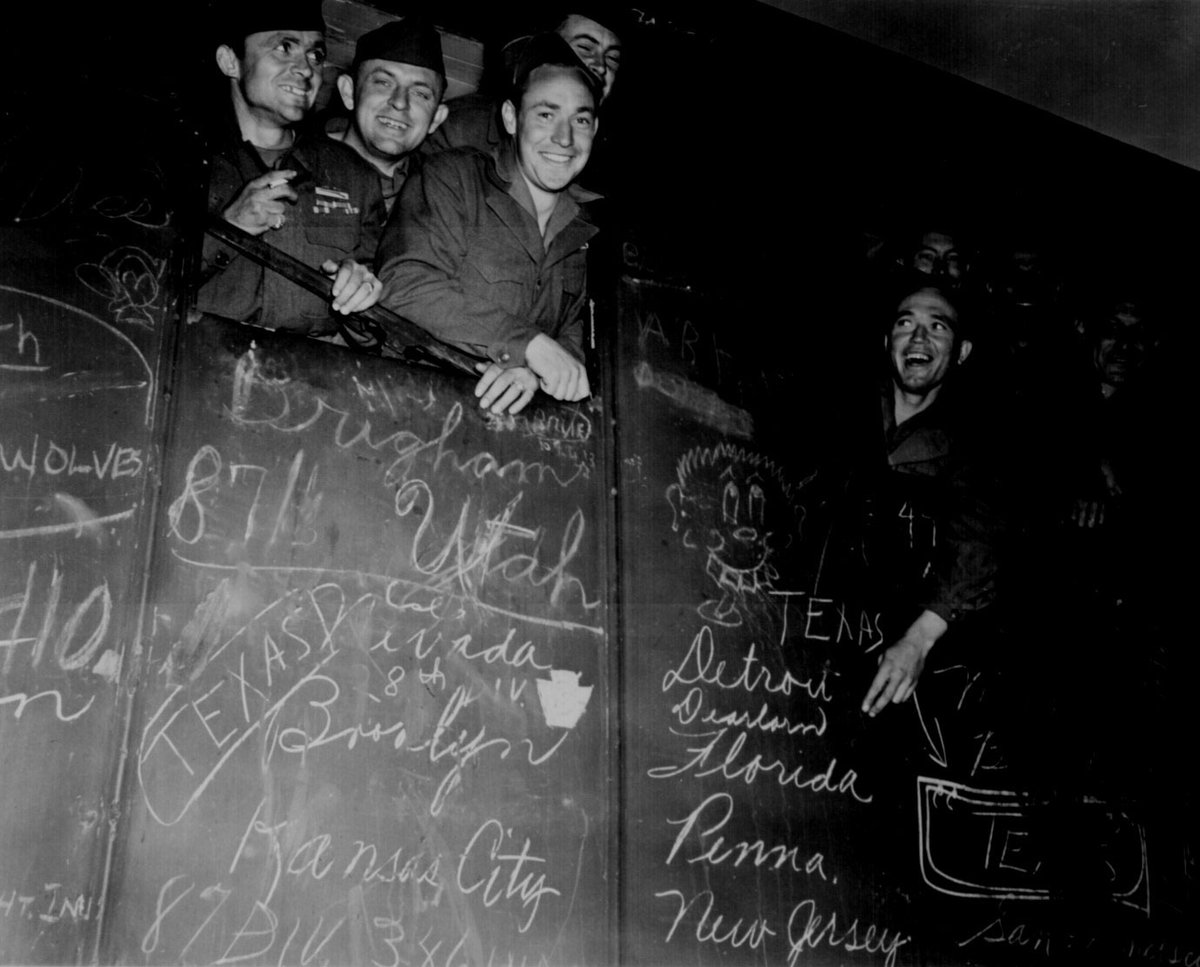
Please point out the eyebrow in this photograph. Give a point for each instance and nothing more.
(384, 72)
(595, 40)
(283, 35)
(939, 316)
(554, 106)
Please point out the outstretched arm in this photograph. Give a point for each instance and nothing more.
(901, 665)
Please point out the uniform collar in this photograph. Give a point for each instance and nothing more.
(568, 228)
(227, 129)
(508, 177)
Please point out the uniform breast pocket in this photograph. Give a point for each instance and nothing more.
(330, 236)
(574, 277)
(503, 282)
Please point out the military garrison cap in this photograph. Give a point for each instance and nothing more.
(238, 19)
(412, 40)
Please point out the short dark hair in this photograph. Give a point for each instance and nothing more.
(909, 282)
(550, 50)
(611, 17)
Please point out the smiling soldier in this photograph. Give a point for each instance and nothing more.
(595, 36)
(311, 197)
(932, 523)
(394, 95)
(488, 251)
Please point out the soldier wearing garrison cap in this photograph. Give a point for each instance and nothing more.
(394, 95)
(308, 196)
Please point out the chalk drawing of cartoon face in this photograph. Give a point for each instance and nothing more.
(732, 504)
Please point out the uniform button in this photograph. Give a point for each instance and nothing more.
(504, 357)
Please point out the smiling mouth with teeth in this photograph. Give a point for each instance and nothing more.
(392, 123)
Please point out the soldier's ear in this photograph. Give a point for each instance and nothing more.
(508, 114)
(964, 350)
(439, 116)
(345, 86)
(228, 62)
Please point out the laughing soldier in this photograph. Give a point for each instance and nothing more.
(934, 510)
(308, 196)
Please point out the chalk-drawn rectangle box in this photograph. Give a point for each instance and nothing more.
(987, 843)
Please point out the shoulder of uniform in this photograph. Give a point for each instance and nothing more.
(335, 153)
(455, 165)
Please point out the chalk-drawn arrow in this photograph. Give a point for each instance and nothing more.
(937, 750)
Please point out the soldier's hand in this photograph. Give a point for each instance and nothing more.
(897, 676)
(262, 203)
(901, 665)
(505, 390)
(559, 373)
(354, 285)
